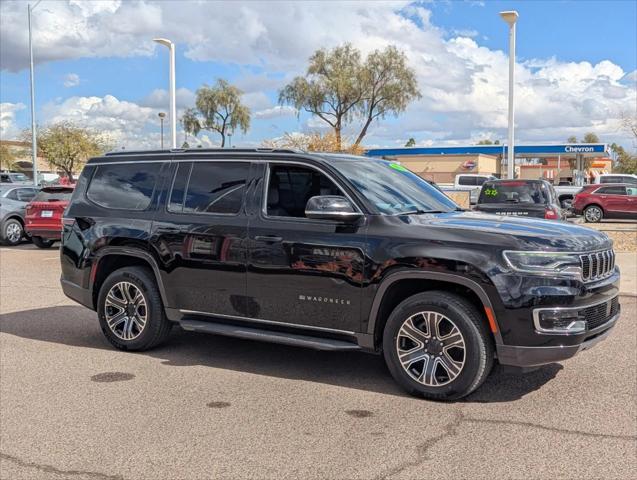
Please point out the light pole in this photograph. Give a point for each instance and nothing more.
(162, 115)
(173, 110)
(511, 17)
(34, 145)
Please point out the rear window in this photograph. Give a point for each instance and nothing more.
(515, 192)
(467, 181)
(126, 186)
(54, 195)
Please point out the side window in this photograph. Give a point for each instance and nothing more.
(609, 179)
(290, 187)
(630, 180)
(632, 191)
(480, 180)
(25, 194)
(612, 191)
(127, 186)
(178, 191)
(216, 187)
(467, 181)
(5, 179)
(12, 195)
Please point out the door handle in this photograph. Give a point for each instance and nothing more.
(268, 238)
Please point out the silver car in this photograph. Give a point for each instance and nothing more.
(13, 203)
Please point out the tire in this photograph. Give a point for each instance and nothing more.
(593, 214)
(446, 310)
(11, 233)
(42, 242)
(156, 327)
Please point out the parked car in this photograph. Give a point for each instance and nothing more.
(332, 252)
(527, 198)
(14, 178)
(616, 178)
(13, 202)
(44, 215)
(600, 201)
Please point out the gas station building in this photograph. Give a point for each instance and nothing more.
(572, 162)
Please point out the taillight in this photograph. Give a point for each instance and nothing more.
(551, 214)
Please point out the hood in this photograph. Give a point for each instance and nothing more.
(523, 233)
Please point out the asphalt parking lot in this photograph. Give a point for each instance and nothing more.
(212, 407)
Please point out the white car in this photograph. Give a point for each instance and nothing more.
(616, 178)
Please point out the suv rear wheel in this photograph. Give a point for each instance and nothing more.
(436, 345)
(130, 310)
(593, 214)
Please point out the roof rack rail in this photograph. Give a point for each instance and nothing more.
(203, 150)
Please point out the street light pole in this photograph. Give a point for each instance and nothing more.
(511, 17)
(34, 145)
(162, 115)
(173, 109)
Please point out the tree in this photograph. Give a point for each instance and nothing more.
(389, 86)
(7, 158)
(411, 142)
(590, 137)
(339, 88)
(625, 163)
(485, 142)
(217, 108)
(332, 88)
(571, 139)
(312, 142)
(67, 147)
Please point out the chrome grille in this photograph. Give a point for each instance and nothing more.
(597, 265)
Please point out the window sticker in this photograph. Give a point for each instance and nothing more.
(398, 166)
(491, 192)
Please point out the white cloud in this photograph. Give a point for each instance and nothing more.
(8, 128)
(464, 84)
(277, 111)
(158, 98)
(71, 80)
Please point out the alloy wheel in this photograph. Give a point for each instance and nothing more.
(125, 310)
(431, 348)
(13, 233)
(593, 214)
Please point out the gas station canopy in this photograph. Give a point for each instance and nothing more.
(523, 151)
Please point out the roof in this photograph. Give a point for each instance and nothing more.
(201, 150)
(567, 149)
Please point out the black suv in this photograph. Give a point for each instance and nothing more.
(331, 252)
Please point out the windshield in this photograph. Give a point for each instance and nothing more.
(514, 192)
(392, 188)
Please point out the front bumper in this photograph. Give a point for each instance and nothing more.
(520, 356)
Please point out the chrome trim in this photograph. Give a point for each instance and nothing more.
(338, 214)
(542, 331)
(269, 322)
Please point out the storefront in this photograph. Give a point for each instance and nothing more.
(566, 162)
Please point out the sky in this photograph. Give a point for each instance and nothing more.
(96, 65)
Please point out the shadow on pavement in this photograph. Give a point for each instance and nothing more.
(78, 327)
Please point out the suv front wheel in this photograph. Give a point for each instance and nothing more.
(130, 310)
(436, 345)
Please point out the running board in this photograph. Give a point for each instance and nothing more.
(251, 333)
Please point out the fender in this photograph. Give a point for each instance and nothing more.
(439, 276)
(130, 252)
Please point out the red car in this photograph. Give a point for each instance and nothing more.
(605, 200)
(44, 215)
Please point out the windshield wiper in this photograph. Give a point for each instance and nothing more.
(420, 212)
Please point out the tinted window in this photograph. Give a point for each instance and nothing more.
(5, 179)
(515, 192)
(290, 188)
(25, 194)
(610, 179)
(612, 191)
(216, 187)
(480, 180)
(126, 186)
(12, 195)
(467, 181)
(53, 195)
(178, 191)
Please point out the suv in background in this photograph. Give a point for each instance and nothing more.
(529, 198)
(332, 252)
(44, 215)
(616, 178)
(13, 202)
(14, 178)
(602, 201)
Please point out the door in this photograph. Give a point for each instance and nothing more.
(631, 201)
(613, 199)
(201, 237)
(302, 271)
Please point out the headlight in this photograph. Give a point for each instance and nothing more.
(544, 263)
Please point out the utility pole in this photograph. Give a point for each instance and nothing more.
(173, 109)
(34, 145)
(511, 17)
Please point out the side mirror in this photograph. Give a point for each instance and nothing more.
(331, 207)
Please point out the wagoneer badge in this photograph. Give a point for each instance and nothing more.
(313, 298)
